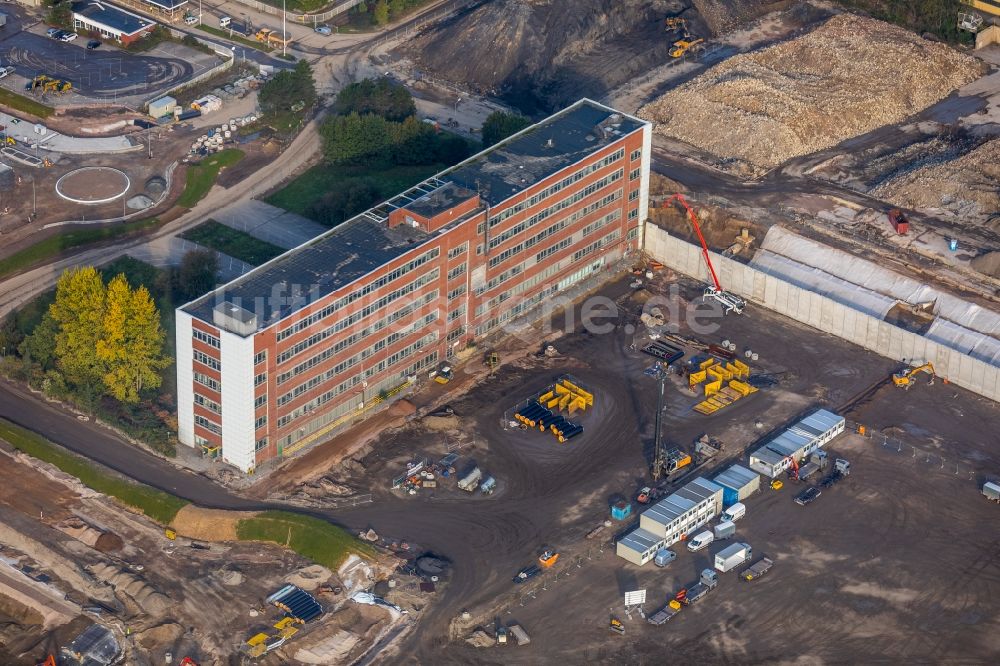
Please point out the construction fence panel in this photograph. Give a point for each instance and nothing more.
(825, 314)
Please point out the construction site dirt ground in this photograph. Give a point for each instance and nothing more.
(896, 547)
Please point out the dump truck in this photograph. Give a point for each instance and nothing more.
(733, 556)
(899, 221)
(682, 46)
(757, 569)
(708, 582)
(666, 613)
(272, 38)
(470, 481)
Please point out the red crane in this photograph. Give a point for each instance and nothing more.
(731, 302)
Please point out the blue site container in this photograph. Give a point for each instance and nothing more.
(621, 510)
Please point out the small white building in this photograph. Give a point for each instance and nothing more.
(672, 519)
(807, 435)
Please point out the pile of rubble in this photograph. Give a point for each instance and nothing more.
(968, 186)
(847, 77)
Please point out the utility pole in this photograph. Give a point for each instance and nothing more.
(284, 33)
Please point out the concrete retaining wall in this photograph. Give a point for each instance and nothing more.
(825, 314)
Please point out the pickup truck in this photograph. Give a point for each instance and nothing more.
(757, 569)
(665, 614)
(708, 581)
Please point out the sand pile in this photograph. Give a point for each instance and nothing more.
(968, 186)
(848, 77)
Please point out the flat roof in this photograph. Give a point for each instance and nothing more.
(542, 150)
(111, 16)
(440, 200)
(680, 502)
(640, 540)
(362, 244)
(736, 477)
(168, 5)
(767, 456)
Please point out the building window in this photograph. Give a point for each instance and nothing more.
(207, 425)
(456, 334)
(205, 359)
(456, 271)
(636, 154)
(210, 405)
(634, 213)
(261, 444)
(455, 293)
(260, 379)
(260, 423)
(633, 195)
(209, 340)
(457, 251)
(481, 228)
(633, 233)
(260, 357)
(456, 313)
(634, 174)
(260, 401)
(205, 380)
(479, 249)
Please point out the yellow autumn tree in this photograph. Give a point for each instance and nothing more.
(130, 348)
(78, 312)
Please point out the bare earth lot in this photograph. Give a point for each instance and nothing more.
(891, 563)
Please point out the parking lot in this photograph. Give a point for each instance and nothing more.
(103, 73)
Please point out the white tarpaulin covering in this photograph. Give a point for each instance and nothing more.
(870, 288)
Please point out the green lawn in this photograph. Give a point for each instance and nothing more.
(54, 245)
(312, 538)
(252, 43)
(26, 104)
(158, 505)
(233, 242)
(201, 176)
(299, 195)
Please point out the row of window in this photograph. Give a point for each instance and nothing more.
(456, 271)
(523, 286)
(600, 222)
(208, 404)
(554, 208)
(368, 288)
(352, 339)
(207, 338)
(205, 359)
(549, 251)
(528, 242)
(211, 426)
(355, 317)
(354, 360)
(456, 313)
(552, 189)
(597, 245)
(456, 292)
(457, 251)
(205, 380)
(260, 357)
(354, 381)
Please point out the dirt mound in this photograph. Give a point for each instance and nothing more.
(401, 408)
(847, 77)
(543, 54)
(968, 186)
(988, 264)
(725, 15)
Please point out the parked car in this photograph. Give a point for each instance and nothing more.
(53, 32)
(808, 496)
(94, 44)
(190, 19)
(734, 513)
(664, 557)
(68, 37)
(4, 71)
(323, 29)
(224, 21)
(527, 572)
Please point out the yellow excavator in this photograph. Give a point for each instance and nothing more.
(905, 379)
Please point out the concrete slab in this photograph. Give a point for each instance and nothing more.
(169, 252)
(270, 223)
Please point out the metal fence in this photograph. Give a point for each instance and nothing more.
(826, 314)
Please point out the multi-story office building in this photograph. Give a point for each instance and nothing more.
(282, 356)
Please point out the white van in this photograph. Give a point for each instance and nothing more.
(190, 19)
(700, 540)
(734, 513)
(224, 21)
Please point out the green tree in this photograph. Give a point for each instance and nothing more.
(414, 142)
(381, 12)
(353, 139)
(40, 346)
(61, 14)
(451, 149)
(379, 96)
(287, 88)
(499, 125)
(353, 197)
(397, 8)
(78, 313)
(196, 276)
(131, 345)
